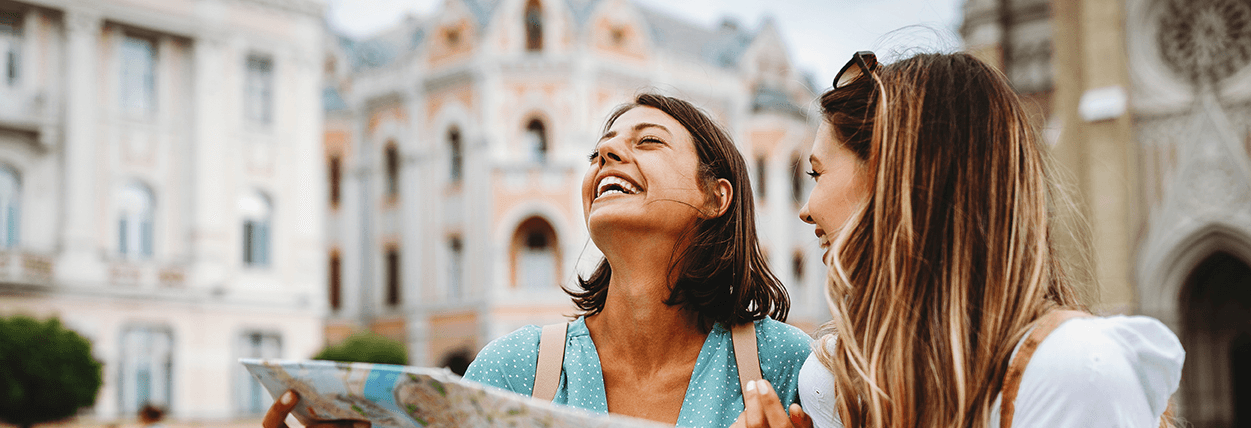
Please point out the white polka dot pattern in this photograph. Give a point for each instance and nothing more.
(713, 398)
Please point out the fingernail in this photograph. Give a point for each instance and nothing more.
(751, 386)
(287, 397)
(765, 387)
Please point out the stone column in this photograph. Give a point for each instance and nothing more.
(80, 260)
(209, 220)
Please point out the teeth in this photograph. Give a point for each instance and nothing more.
(602, 188)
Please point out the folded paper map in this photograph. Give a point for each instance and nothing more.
(390, 396)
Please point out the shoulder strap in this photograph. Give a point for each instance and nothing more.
(1016, 368)
(745, 353)
(551, 359)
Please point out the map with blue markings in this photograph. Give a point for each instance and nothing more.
(413, 397)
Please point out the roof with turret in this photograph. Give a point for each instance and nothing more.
(722, 46)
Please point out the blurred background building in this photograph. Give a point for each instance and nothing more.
(160, 189)
(1147, 104)
(455, 146)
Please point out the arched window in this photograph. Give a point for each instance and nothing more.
(257, 213)
(392, 160)
(536, 140)
(134, 221)
(458, 156)
(10, 207)
(534, 26)
(535, 255)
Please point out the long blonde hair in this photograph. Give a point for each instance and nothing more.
(950, 259)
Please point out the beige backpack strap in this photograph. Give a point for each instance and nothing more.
(1016, 368)
(551, 359)
(745, 353)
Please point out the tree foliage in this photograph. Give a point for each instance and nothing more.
(366, 347)
(47, 372)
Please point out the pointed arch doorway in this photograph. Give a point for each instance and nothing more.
(1216, 324)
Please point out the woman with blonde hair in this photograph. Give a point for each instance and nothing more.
(949, 305)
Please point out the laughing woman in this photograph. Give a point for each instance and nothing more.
(667, 200)
(949, 306)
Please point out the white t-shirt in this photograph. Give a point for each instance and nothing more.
(1089, 372)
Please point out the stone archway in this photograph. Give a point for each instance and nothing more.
(1216, 333)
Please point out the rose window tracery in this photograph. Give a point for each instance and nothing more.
(1205, 40)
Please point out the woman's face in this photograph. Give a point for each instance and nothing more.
(643, 177)
(841, 186)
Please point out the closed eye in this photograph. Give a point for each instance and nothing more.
(814, 174)
(594, 155)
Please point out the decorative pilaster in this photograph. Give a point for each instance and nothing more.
(78, 239)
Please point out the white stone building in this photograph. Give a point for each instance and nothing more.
(160, 190)
(1147, 105)
(456, 144)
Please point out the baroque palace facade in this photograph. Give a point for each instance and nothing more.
(456, 143)
(159, 173)
(1147, 105)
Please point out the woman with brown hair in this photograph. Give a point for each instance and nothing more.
(933, 205)
(659, 334)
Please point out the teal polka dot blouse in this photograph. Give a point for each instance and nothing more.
(713, 397)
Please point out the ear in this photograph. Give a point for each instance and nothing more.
(722, 194)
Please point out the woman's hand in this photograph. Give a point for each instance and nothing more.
(763, 408)
(276, 417)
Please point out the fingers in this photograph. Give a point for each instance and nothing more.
(762, 407)
(276, 417)
(799, 418)
(753, 414)
(772, 405)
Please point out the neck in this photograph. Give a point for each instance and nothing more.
(635, 322)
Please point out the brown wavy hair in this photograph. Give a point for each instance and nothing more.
(949, 261)
(722, 275)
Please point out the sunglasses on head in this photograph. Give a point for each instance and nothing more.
(866, 63)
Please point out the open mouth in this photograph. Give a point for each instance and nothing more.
(612, 185)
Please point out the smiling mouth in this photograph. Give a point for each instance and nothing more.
(612, 185)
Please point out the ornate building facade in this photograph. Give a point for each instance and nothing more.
(456, 144)
(159, 162)
(1149, 113)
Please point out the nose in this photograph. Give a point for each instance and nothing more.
(611, 150)
(805, 215)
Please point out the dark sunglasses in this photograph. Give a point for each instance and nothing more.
(866, 62)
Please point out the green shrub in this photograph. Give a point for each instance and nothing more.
(47, 372)
(366, 347)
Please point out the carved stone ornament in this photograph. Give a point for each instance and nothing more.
(78, 21)
(1205, 41)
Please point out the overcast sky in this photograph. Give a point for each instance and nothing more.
(821, 34)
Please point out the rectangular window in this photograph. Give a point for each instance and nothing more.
(252, 398)
(336, 175)
(147, 358)
(259, 104)
(255, 243)
(10, 47)
(336, 267)
(393, 277)
(455, 268)
(138, 89)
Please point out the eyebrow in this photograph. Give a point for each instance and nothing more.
(637, 128)
(812, 160)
